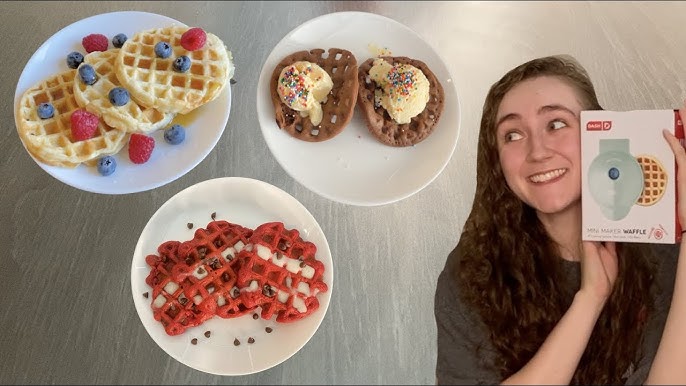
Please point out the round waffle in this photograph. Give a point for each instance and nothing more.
(209, 266)
(95, 98)
(338, 109)
(380, 123)
(655, 180)
(154, 83)
(50, 140)
(280, 274)
(170, 305)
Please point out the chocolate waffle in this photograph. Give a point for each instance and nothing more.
(280, 273)
(208, 268)
(170, 305)
(338, 109)
(380, 123)
(654, 180)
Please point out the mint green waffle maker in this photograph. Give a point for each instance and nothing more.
(615, 178)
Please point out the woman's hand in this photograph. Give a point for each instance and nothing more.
(680, 156)
(599, 268)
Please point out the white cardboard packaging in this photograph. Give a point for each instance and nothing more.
(628, 186)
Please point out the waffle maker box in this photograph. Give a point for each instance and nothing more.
(628, 184)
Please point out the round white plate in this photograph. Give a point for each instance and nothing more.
(247, 202)
(204, 126)
(353, 167)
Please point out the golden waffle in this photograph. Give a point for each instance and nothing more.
(380, 123)
(152, 81)
(341, 65)
(95, 98)
(50, 140)
(655, 180)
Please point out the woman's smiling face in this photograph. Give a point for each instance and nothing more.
(537, 128)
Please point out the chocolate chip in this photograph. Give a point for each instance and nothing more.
(207, 334)
(235, 292)
(251, 340)
(213, 215)
(190, 225)
(236, 342)
(201, 271)
(183, 301)
(189, 261)
(302, 264)
(282, 245)
(145, 295)
(210, 287)
(300, 258)
(202, 251)
(218, 243)
(255, 316)
(225, 277)
(232, 81)
(194, 341)
(267, 290)
(279, 255)
(184, 322)
(269, 330)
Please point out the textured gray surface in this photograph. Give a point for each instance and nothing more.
(66, 311)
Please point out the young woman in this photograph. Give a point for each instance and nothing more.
(522, 299)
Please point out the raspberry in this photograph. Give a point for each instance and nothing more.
(95, 42)
(140, 148)
(83, 125)
(193, 39)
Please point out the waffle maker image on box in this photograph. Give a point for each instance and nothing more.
(615, 178)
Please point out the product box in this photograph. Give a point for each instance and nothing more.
(628, 185)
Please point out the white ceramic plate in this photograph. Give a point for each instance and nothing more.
(353, 167)
(247, 202)
(168, 162)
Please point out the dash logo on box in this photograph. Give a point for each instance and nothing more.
(598, 125)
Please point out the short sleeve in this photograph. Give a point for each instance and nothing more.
(464, 354)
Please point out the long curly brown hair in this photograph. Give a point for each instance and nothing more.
(514, 283)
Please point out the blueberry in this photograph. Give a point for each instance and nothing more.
(163, 50)
(118, 40)
(119, 96)
(107, 165)
(87, 74)
(182, 63)
(45, 110)
(175, 134)
(74, 59)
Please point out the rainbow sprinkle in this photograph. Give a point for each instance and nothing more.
(401, 82)
(294, 82)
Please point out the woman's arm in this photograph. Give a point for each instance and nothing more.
(558, 357)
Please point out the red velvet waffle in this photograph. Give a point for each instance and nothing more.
(280, 274)
(208, 268)
(170, 306)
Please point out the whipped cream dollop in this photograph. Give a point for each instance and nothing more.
(304, 86)
(402, 89)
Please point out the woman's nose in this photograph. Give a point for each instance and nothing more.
(538, 148)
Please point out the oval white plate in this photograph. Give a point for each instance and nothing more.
(247, 202)
(204, 126)
(353, 167)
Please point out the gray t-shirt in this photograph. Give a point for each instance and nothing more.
(466, 355)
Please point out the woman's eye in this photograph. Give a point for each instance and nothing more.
(512, 136)
(557, 124)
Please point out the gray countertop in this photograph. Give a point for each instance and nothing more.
(67, 314)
